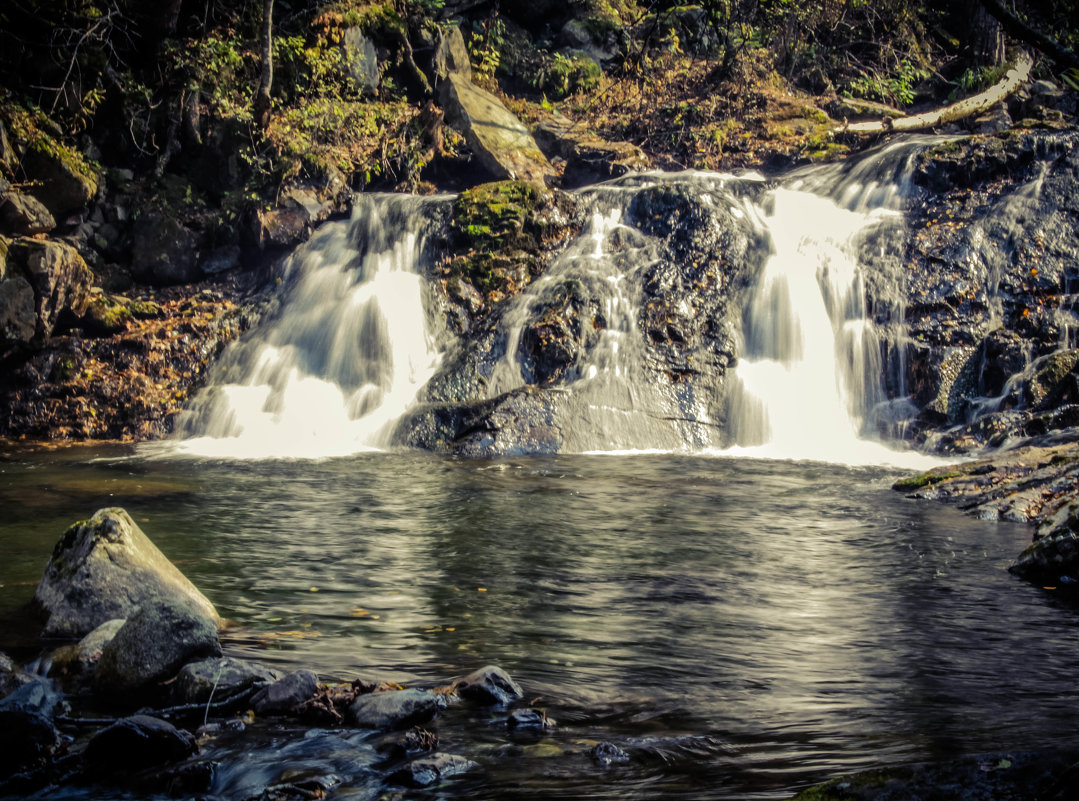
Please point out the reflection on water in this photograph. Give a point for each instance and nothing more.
(786, 621)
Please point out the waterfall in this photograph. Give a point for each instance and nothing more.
(811, 382)
(349, 350)
(781, 272)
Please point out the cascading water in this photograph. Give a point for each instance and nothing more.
(347, 354)
(353, 345)
(813, 371)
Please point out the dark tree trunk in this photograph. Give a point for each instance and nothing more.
(986, 38)
(261, 106)
(1024, 33)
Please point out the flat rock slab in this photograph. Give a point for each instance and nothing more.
(501, 142)
(105, 568)
(396, 710)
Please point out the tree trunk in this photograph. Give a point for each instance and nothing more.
(976, 104)
(1024, 33)
(261, 107)
(986, 37)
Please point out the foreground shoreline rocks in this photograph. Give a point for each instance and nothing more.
(152, 662)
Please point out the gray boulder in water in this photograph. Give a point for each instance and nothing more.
(152, 646)
(104, 568)
(488, 685)
(398, 709)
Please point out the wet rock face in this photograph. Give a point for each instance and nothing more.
(693, 292)
(106, 568)
(156, 641)
(992, 282)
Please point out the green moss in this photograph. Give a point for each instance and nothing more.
(924, 480)
(493, 216)
(33, 130)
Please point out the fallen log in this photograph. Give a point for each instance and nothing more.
(976, 104)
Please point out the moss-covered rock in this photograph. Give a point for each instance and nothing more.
(61, 177)
(501, 233)
(105, 315)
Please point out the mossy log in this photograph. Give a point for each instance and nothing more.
(977, 104)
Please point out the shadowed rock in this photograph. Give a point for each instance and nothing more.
(137, 743)
(285, 695)
(155, 642)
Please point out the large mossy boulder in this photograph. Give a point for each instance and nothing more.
(501, 142)
(60, 177)
(152, 646)
(40, 280)
(106, 568)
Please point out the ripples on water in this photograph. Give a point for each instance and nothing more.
(745, 627)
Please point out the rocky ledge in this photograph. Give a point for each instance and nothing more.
(1036, 483)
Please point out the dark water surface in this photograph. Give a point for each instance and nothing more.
(742, 627)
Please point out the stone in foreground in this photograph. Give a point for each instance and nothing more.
(105, 568)
(431, 769)
(28, 737)
(152, 646)
(137, 743)
(285, 695)
(207, 679)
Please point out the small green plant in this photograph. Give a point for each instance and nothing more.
(485, 46)
(896, 88)
(562, 75)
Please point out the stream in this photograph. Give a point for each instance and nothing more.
(742, 627)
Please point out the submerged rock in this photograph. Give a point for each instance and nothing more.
(104, 568)
(1001, 777)
(397, 709)
(428, 770)
(488, 685)
(137, 743)
(155, 642)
